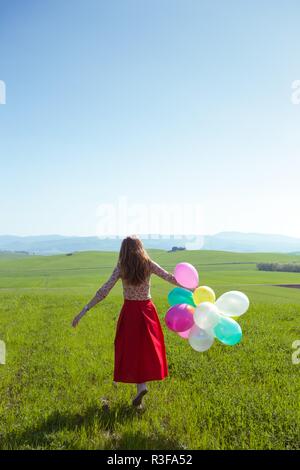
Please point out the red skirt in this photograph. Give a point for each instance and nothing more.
(140, 353)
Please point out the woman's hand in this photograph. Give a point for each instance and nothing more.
(76, 321)
(78, 317)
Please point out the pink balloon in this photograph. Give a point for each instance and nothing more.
(186, 275)
(184, 334)
(180, 317)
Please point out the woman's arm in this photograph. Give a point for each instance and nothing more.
(159, 271)
(100, 294)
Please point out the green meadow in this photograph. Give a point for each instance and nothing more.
(56, 378)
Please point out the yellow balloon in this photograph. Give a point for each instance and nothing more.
(204, 294)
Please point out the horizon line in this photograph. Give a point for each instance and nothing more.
(149, 235)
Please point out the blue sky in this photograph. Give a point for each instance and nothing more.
(157, 101)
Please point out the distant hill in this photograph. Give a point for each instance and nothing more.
(55, 244)
(251, 242)
(225, 241)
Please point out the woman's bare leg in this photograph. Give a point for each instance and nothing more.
(141, 387)
(141, 391)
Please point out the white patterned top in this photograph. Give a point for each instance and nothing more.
(139, 292)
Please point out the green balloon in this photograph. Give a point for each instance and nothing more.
(181, 296)
(228, 331)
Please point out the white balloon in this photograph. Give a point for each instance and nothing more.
(199, 339)
(233, 303)
(206, 315)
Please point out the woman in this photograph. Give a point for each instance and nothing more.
(140, 354)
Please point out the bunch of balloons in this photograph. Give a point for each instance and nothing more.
(195, 313)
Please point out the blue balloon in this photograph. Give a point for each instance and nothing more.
(228, 331)
(181, 296)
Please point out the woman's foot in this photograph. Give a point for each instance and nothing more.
(141, 392)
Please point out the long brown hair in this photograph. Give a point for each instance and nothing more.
(134, 261)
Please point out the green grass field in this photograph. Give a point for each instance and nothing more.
(241, 397)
